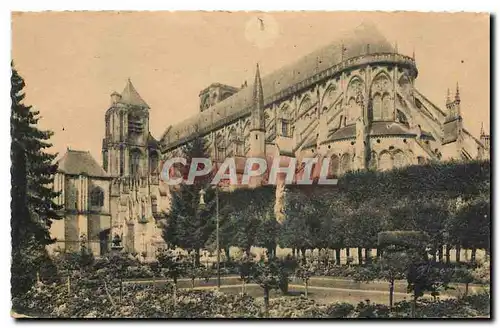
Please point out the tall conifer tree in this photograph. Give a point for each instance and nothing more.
(189, 225)
(32, 174)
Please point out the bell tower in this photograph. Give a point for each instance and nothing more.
(124, 148)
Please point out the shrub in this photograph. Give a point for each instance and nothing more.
(340, 310)
(369, 310)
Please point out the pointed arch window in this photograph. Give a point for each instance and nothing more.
(387, 113)
(351, 110)
(122, 160)
(239, 147)
(305, 105)
(108, 129)
(373, 161)
(385, 161)
(220, 148)
(399, 159)
(97, 197)
(235, 143)
(153, 162)
(377, 107)
(286, 128)
(334, 166)
(220, 154)
(105, 160)
(135, 161)
(345, 163)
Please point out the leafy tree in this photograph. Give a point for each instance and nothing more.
(425, 275)
(188, 225)
(290, 265)
(246, 223)
(483, 273)
(428, 276)
(470, 225)
(305, 272)
(332, 234)
(393, 266)
(227, 227)
(32, 173)
(362, 228)
(267, 232)
(431, 217)
(172, 264)
(465, 276)
(300, 223)
(245, 210)
(268, 274)
(245, 264)
(403, 252)
(194, 271)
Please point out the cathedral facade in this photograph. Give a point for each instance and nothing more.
(353, 101)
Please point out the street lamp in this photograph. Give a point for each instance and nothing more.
(202, 203)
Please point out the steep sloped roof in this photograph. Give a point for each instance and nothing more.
(130, 96)
(80, 162)
(363, 39)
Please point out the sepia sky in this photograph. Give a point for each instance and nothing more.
(73, 61)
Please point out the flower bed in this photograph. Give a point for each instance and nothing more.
(94, 299)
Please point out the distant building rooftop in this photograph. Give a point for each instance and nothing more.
(365, 38)
(76, 162)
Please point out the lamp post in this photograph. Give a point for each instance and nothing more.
(202, 203)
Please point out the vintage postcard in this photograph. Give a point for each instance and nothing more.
(250, 165)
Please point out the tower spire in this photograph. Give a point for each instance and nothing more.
(258, 122)
(457, 94)
(448, 99)
(482, 130)
(130, 96)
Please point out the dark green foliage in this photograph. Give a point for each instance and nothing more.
(246, 225)
(32, 169)
(368, 310)
(267, 232)
(269, 274)
(403, 239)
(428, 276)
(450, 180)
(362, 227)
(415, 198)
(302, 221)
(140, 301)
(188, 224)
(95, 294)
(339, 310)
(247, 218)
(469, 226)
(32, 173)
(66, 262)
(173, 264)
